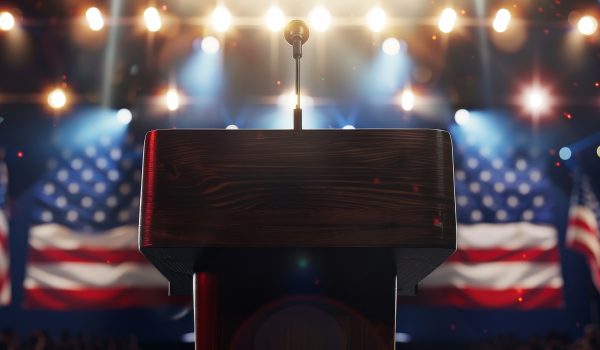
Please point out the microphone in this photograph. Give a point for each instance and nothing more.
(296, 34)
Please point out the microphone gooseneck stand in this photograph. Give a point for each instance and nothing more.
(296, 34)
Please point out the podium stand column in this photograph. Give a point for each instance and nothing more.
(206, 317)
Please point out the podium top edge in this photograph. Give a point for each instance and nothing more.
(292, 131)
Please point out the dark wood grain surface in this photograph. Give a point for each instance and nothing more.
(332, 188)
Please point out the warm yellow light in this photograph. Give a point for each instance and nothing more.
(57, 98)
(152, 19)
(407, 99)
(320, 19)
(275, 19)
(587, 25)
(502, 20)
(172, 99)
(221, 19)
(94, 19)
(447, 20)
(537, 100)
(7, 21)
(376, 19)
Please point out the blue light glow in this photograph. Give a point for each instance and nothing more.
(565, 153)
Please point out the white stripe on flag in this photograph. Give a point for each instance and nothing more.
(56, 236)
(520, 235)
(492, 275)
(85, 276)
(584, 214)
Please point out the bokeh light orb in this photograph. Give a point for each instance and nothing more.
(152, 19)
(348, 127)
(172, 99)
(376, 19)
(94, 19)
(587, 25)
(210, 45)
(447, 20)
(391, 46)
(221, 19)
(320, 19)
(462, 116)
(124, 116)
(7, 21)
(275, 19)
(565, 153)
(501, 20)
(407, 99)
(57, 98)
(231, 127)
(598, 151)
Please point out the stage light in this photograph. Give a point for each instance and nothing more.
(501, 21)
(348, 127)
(221, 19)
(7, 21)
(536, 100)
(288, 100)
(407, 99)
(598, 151)
(565, 153)
(376, 19)
(124, 116)
(210, 45)
(172, 99)
(231, 127)
(57, 98)
(152, 19)
(462, 116)
(320, 19)
(390, 46)
(275, 19)
(447, 20)
(94, 19)
(587, 25)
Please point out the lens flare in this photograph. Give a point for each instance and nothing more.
(447, 20)
(152, 19)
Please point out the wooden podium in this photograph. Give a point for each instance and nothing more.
(297, 239)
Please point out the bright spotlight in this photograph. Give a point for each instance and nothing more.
(94, 19)
(320, 19)
(587, 25)
(407, 99)
(536, 100)
(231, 127)
(565, 153)
(172, 99)
(221, 19)
(210, 45)
(462, 116)
(57, 98)
(275, 19)
(7, 21)
(598, 151)
(376, 19)
(501, 21)
(390, 46)
(152, 19)
(124, 116)
(348, 127)
(288, 100)
(447, 20)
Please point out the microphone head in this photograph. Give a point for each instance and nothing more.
(296, 29)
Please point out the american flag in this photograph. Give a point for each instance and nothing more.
(507, 254)
(582, 230)
(83, 251)
(5, 288)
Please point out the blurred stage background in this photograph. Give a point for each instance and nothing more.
(517, 83)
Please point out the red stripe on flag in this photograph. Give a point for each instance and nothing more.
(504, 255)
(87, 299)
(583, 249)
(3, 241)
(467, 297)
(582, 224)
(87, 255)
